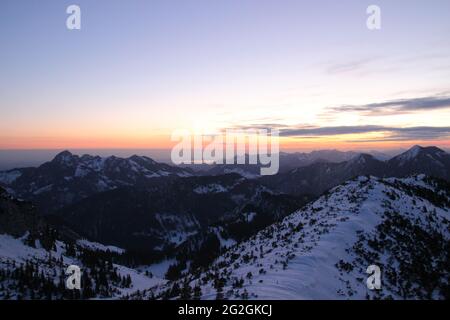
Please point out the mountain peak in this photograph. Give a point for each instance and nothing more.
(429, 160)
(417, 150)
(362, 158)
(64, 157)
(63, 154)
(142, 159)
(136, 157)
(413, 152)
(364, 155)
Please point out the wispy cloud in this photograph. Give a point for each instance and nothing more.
(390, 133)
(330, 131)
(263, 126)
(398, 106)
(349, 66)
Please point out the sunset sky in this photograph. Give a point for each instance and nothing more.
(138, 70)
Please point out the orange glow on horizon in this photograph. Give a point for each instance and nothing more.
(163, 141)
(154, 142)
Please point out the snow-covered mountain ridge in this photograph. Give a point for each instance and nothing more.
(323, 250)
(69, 178)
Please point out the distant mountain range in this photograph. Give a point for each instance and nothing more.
(137, 213)
(288, 161)
(321, 176)
(69, 178)
(96, 196)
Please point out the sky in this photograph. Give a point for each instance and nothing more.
(138, 70)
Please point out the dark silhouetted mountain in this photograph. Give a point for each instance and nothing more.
(17, 217)
(379, 155)
(249, 171)
(162, 217)
(288, 161)
(431, 161)
(69, 178)
(321, 176)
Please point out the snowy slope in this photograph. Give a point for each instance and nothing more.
(51, 265)
(322, 251)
